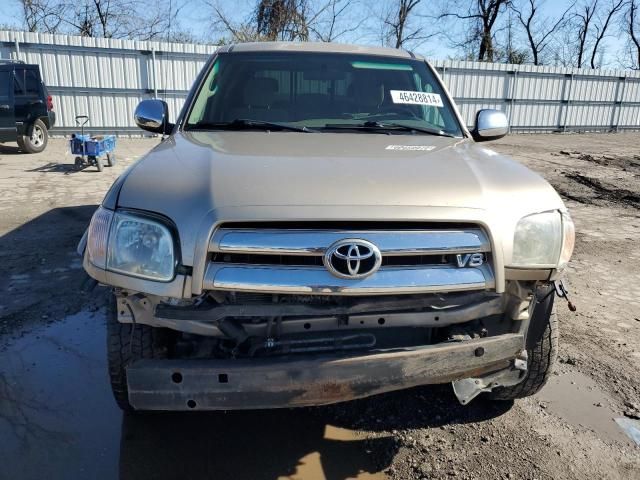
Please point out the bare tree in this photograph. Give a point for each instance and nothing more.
(400, 26)
(585, 19)
(483, 15)
(287, 20)
(282, 19)
(539, 29)
(140, 19)
(42, 15)
(633, 26)
(601, 27)
(330, 24)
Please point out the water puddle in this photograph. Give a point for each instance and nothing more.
(56, 412)
(579, 401)
(58, 421)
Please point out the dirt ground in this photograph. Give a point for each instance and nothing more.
(58, 420)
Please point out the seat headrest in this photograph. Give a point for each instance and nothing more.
(260, 92)
(369, 94)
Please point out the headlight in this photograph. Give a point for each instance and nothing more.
(98, 237)
(134, 245)
(568, 239)
(537, 241)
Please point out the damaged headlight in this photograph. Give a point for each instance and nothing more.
(538, 240)
(135, 245)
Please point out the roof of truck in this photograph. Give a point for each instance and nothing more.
(318, 47)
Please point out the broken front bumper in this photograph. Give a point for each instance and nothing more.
(304, 381)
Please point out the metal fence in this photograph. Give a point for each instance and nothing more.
(106, 78)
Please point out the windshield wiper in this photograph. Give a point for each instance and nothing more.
(378, 126)
(247, 123)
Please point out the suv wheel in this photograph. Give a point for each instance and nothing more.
(36, 142)
(542, 350)
(127, 343)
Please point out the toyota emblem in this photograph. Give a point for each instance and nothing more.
(352, 259)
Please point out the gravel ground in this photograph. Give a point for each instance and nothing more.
(566, 431)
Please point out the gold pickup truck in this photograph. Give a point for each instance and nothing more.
(320, 225)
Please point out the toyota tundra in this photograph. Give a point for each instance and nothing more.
(319, 225)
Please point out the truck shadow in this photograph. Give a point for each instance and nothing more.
(253, 445)
(320, 443)
(40, 273)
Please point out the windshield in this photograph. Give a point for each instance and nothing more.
(322, 91)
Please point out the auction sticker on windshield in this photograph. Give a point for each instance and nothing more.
(416, 98)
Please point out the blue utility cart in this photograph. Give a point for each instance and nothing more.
(90, 148)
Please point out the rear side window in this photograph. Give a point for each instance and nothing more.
(18, 83)
(31, 82)
(26, 82)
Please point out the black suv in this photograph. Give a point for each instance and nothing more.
(26, 108)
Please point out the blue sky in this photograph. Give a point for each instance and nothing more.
(196, 17)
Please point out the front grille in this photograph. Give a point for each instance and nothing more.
(281, 259)
(297, 260)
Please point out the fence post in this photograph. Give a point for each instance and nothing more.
(567, 102)
(617, 103)
(511, 93)
(155, 72)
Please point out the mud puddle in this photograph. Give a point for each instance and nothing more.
(58, 421)
(579, 401)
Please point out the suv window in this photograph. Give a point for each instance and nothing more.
(320, 90)
(26, 83)
(31, 82)
(18, 83)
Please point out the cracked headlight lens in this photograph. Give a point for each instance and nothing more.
(537, 241)
(140, 247)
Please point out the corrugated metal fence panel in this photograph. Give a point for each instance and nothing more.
(106, 78)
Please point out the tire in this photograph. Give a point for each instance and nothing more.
(79, 163)
(37, 140)
(542, 350)
(127, 343)
(111, 159)
(98, 163)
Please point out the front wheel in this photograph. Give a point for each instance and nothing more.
(111, 159)
(126, 343)
(36, 141)
(542, 350)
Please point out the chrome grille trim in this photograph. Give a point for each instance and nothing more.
(315, 242)
(318, 281)
(226, 272)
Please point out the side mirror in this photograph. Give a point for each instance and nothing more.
(153, 116)
(490, 125)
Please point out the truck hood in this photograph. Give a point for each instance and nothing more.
(231, 176)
